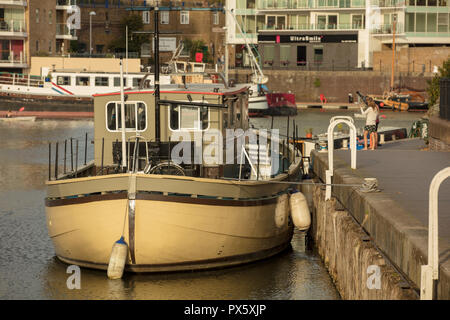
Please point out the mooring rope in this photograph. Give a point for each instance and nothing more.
(299, 183)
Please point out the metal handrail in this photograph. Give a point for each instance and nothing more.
(329, 172)
(430, 272)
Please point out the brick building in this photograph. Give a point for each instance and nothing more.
(193, 20)
(32, 28)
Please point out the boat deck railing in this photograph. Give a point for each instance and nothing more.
(16, 79)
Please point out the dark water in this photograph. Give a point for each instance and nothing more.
(29, 270)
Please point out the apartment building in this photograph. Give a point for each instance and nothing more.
(336, 34)
(13, 35)
(32, 28)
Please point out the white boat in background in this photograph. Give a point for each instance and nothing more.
(74, 84)
(16, 119)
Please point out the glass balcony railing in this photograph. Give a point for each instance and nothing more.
(12, 26)
(14, 2)
(310, 4)
(388, 3)
(66, 2)
(63, 30)
(387, 28)
(320, 26)
(12, 57)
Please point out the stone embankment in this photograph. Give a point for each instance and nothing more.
(357, 268)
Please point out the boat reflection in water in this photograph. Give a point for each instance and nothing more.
(296, 273)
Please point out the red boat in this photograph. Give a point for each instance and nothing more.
(281, 104)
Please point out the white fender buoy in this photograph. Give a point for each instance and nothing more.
(282, 211)
(118, 258)
(300, 211)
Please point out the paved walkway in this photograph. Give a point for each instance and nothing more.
(405, 172)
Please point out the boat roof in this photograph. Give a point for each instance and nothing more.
(192, 88)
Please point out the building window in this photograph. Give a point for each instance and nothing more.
(357, 21)
(99, 48)
(420, 22)
(431, 22)
(37, 45)
(442, 22)
(49, 46)
(285, 55)
(135, 116)
(101, 81)
(318, 55)
(301, 56)
(215, 17)
(268, 54)
(164, 17)
(409, 19)
(50, 16)
(63, 80)
(83, 81)
(321, 22)
(183, 117)
(146, 17)
(184, 17)
(117, 81)
(136, 82)
(37, 15)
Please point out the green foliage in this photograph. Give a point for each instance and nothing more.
(135, 41)
(317, 83)
(194, 46)
(433, 89)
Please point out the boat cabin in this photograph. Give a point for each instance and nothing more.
(195, 115)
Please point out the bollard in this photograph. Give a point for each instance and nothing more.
(345, 144)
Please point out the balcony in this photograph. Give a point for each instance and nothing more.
(13, 28)
(13, 60)
(273, 5)
(385, 29)
(388, 3)
(307, 27)
(21, 3)
(64, 4)
(63, 32)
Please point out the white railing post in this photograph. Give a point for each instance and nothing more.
(430, 272)
(329, 173)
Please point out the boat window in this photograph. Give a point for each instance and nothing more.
(101, 81)
(111, 116)
(136, 82)
(117, 81)
(135, 116)
(63, 80)
(188, 117)
(83, 81)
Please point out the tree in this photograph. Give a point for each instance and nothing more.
(135, 41)
(433, 89)
(194, 46)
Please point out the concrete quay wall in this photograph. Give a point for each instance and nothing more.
(439, 134)
(357, 268)
(401, 238)
(335, 85)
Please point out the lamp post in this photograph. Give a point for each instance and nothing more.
(92, 13)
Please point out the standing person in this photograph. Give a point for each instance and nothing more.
(377, 122)
(371, 114)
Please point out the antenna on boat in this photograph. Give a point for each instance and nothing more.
(259, 77)
(122, 112)
(156, 61)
